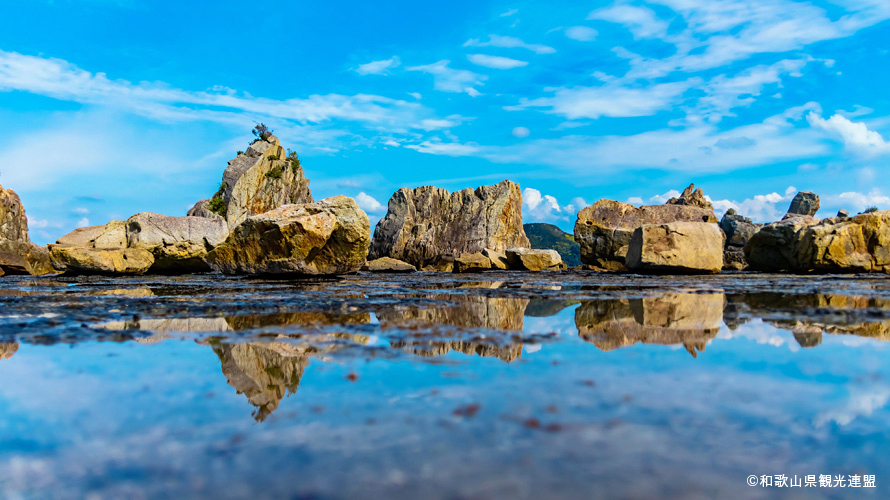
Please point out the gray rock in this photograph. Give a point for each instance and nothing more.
(738, 231)
(178, 244)
(843, 214)
(804, 203)
(776, 246)
(425, 224)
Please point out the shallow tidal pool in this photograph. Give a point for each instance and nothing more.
(432, 386)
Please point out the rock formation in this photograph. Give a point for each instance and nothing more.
(388, 265)
(738, 231)
(256, 181)
(425, 224)
(692, 197)
(17, 254)
(84, 260)
(804, 203)
(525, 259)
(678, 318)
(177, 243)
(676, 247)
(328, 237)
(604, 229)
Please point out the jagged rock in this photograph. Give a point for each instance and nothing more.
(101, 260)
(605, 228)
(738, 231)
(775, 247)
(857, 244)
(388, 265)
(257, 181)
(201, 209)
(177, 243)
(331, 236)
(17, 254)
(843, 214)
(424, 224)
(692, 197)
(471, 263)
(804, 203)
(677, 247)
(534, 260)
(498, 259)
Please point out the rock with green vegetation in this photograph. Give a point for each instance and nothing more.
(424, 225)
(258, 180)
(328, 237)
(17, 254)
(549, 237)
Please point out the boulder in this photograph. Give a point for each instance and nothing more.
(857, 244)
(472, 263)
(331, 236)
(388, 265)
(738, 231)
(101, 260)
(776, 246)
(177, 243)
(111, 235)
(527, 259)
(424, 224)
(843, 214)
(692, 197)
(256, 181)
(443, 265)
(498, 259)
(605, 228)
(804, 203)
(676, 247)
(17, 254)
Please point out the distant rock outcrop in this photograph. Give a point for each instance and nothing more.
(738, 231)
(426, 224)
(256, 181)
(604, 229)
(327, 237)
(692, 197)
(804, 203)
(676, 248)
(17, 254)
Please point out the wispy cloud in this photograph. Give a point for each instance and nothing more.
(495, 62)
(581, 33)
(509, 42)
(448, 79)
(381, 67)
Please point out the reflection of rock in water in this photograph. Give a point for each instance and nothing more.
(678, 318)
(262, 373)
(161, 327)
(239, 323)
(543, 308)
(465, 311)
(807, 336)
(8, 349)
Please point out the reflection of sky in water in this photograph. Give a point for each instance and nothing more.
(644, 420)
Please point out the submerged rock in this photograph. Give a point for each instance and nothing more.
(256, 181)
(677, 247)
(17, 254)
(388, 265)
(331, 236)
(526, 259)
(177, 243)
(604, 229)
(425, 224)
(804, 203)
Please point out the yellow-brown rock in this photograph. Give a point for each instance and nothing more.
(472, 263)
(177, 243)
(388, 265)
(676, 248)
(331, 236)
(528, 259)
(101, 260)
(17, 254)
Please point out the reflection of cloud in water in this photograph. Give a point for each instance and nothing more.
(863, 402)
(678, 318)
(762, 333)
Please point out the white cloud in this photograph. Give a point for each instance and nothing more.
(83, 222)
(511, 12)
(367, 203)
(857, 202)
(544, 207)
(761, 208)
(855, 135)
(635, 200)
(381, 67)
(448, 79)
(663, 198)
(496, 62)
(82, 210)
(444, 148)
(521, 132)
(640, 21)
(581, 33)
(509, 42)
(863, 402)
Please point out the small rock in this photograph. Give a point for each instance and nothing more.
(498, 259)
(388, 265)
(692, 197)
(472, 263)
(677, 247)
(804, 203)
(843, 214)
(527, 259)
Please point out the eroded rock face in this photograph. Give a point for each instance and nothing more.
(738, 231)
(331, 236)
(677, 247)
(256, 181)
(604, 229)
(526, 259)
(692, 197)
(425, 224)
(804, 203)
(678, 318)
(101, 260)
(17, 254)
(177, 243)
(388, 265)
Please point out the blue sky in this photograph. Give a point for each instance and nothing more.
(111, 108)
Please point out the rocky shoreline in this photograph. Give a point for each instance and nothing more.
(263, 220)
